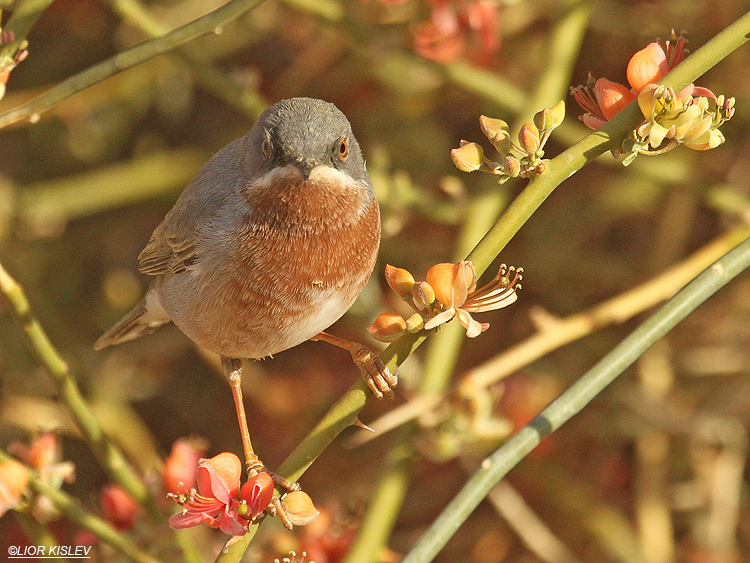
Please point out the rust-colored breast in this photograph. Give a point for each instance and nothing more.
(302, 256)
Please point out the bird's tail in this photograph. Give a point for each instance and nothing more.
(145, 317)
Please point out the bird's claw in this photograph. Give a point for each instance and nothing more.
(377, 376)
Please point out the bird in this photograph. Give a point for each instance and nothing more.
(267, 246)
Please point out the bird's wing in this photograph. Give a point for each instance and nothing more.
(175, 244)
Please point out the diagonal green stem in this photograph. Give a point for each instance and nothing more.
(76, 513)
(127, 59)
(497, 465)
(106, 451)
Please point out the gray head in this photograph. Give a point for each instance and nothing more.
(304, 132)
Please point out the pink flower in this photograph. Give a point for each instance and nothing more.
(455, 290)
(602, 99)
(217, 502)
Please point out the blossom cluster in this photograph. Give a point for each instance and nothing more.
(219, 501)
(523, 159)
(690, 117)
(10, 61)
(449, 291)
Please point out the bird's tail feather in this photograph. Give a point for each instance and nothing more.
(141, 320)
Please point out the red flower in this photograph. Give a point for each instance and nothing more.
(602, 99)
(217, 501)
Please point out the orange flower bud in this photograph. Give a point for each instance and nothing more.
(612, 97)
(387, 327)
(441, 277)
(468, 157)
(14, 477)
(299, 508)
(180, 466)
(647, 66)
(119, 507)
(399, 280)
(528, 137)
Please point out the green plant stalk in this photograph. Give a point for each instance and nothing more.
(607, 137)
(444, 348)
(25, 13)
(72, 509)
(127, 59)
(213, 79)
(46, 354)
(499, 463)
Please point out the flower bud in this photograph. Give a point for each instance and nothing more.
(14, 477)
(497, 131)
(257, 493)
(415, 323)
(511, 166)
(441, 277)
(120, 509)
(557, 113)
(423, 295)
(387, 327)
(399, 280)
(528, 137)
(180, 467)
(468, 157)
(647, 66)
(299, 508)
(542, 119)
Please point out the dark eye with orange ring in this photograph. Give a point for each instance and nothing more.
(343, 149)
(266, 147)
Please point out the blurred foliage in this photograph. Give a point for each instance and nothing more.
(653, 471)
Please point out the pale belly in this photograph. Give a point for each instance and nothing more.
(247, 326)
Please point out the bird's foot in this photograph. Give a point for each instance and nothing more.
(377, 376)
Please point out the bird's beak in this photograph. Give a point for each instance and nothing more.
(305, 166)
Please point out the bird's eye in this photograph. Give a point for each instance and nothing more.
(266, 147)
(343, 149)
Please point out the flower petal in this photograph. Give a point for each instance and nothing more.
(473, 327)
(612, 97)
(440, 318)
(186, 519)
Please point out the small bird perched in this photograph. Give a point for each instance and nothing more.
(267, 246)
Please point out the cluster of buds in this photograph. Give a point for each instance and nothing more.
(219, 501)
(691, 117)
(449, 291)
(523, 159)
(9, 61)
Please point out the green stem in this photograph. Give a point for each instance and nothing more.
(108, 454)
(213, 79)
(73, 510)
(127, 59)
(25, 13)
(497, 465)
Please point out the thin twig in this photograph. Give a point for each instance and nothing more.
(211, 22)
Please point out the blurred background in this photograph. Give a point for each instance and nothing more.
(654, 470)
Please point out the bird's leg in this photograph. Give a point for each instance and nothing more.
(376, 375)
(233, 370)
